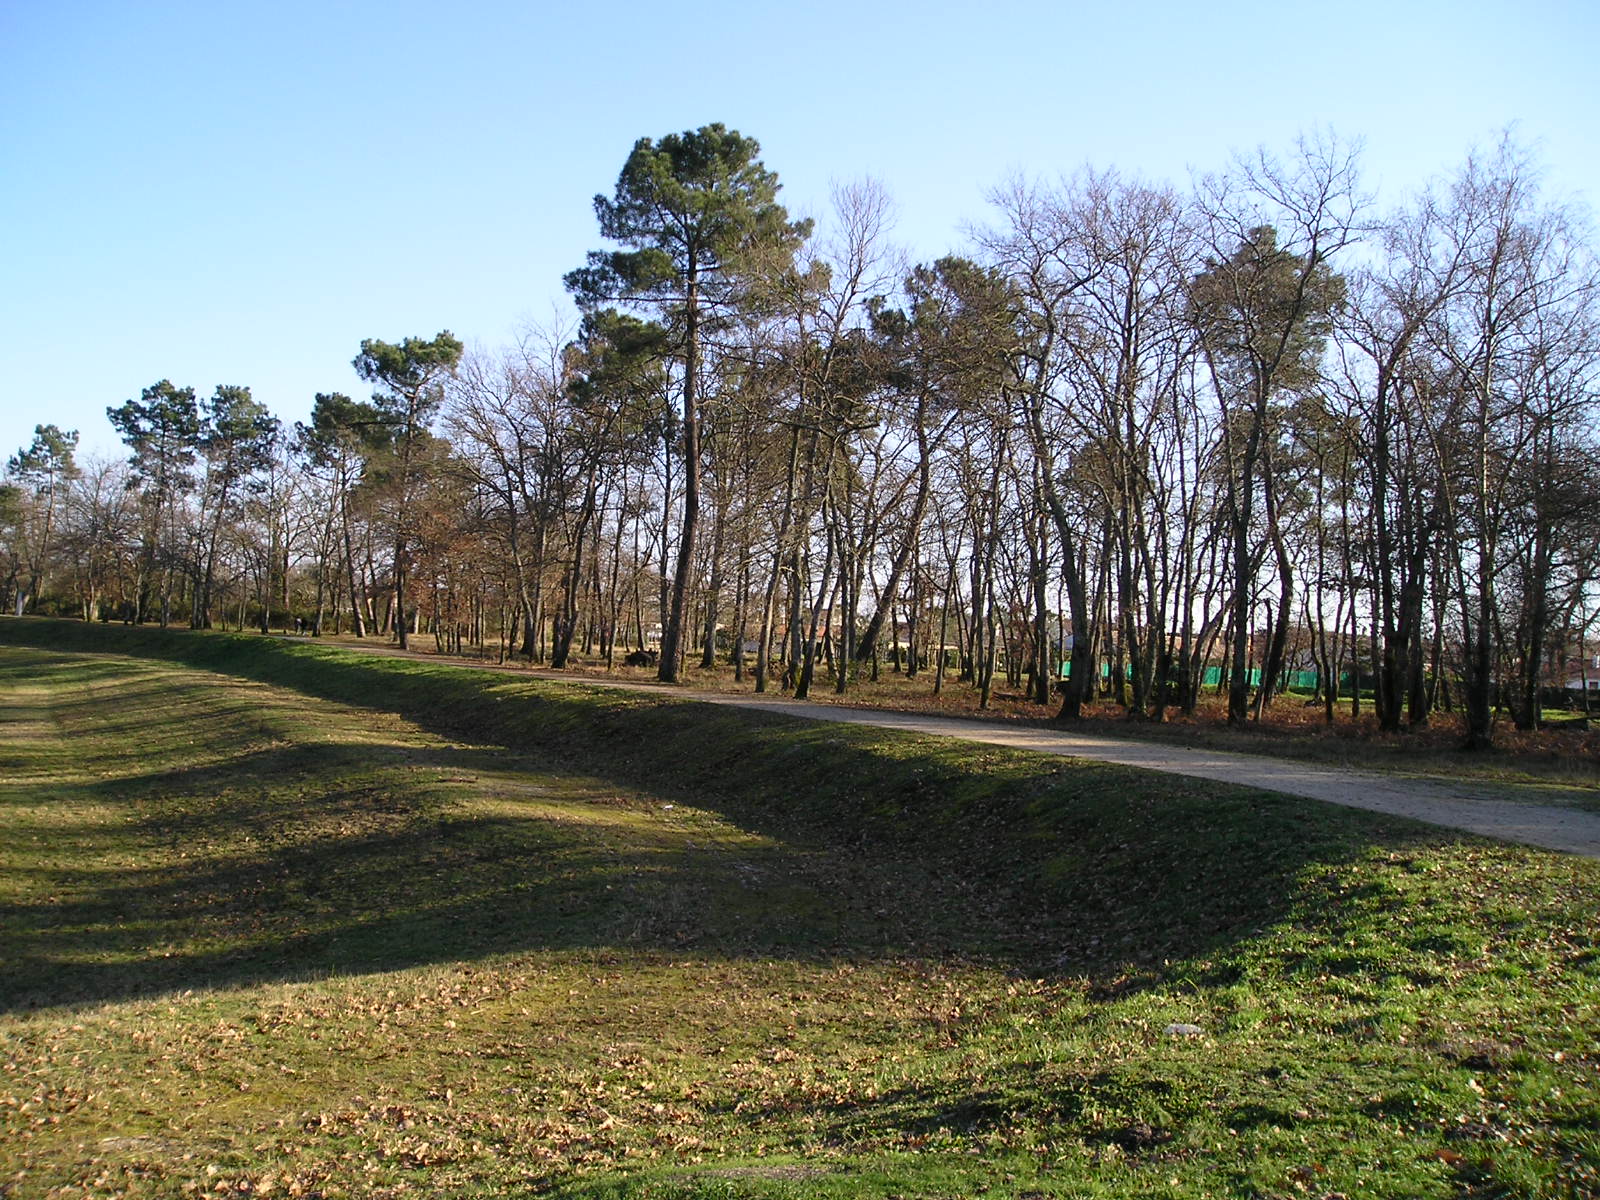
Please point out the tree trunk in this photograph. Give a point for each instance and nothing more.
(672, 634)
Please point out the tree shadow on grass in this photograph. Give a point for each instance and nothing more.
(578, 827)
(381, 857)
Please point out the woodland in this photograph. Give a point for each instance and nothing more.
(1129, 444)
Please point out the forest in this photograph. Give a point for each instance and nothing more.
(1129, 443)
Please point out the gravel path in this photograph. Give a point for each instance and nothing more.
(1468, 806)
(1471, 806)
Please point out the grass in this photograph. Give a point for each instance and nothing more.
(1558, 764)
(282, 920)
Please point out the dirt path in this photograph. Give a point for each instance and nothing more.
(1470, 806)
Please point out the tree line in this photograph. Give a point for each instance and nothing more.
(1131, 443)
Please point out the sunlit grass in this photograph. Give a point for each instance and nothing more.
(522, 940)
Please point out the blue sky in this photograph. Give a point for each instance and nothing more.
(228, 193)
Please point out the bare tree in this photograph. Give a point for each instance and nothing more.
(1263, 309)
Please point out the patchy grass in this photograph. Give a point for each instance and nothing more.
(1558, 764)
(280, 920)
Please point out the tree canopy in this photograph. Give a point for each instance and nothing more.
(1131, 443)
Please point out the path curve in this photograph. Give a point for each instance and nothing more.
(1468, 806)
(1437, 802)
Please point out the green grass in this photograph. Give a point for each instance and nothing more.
(279, 920)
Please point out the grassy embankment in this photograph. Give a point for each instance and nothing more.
(283, 920)
(1558, 764)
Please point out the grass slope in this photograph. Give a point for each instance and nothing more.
(282, 920)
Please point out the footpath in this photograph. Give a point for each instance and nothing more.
(1474, 806)
(1471, 806)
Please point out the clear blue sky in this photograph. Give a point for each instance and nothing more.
(227, 193)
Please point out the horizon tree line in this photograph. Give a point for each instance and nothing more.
(1131, 443)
